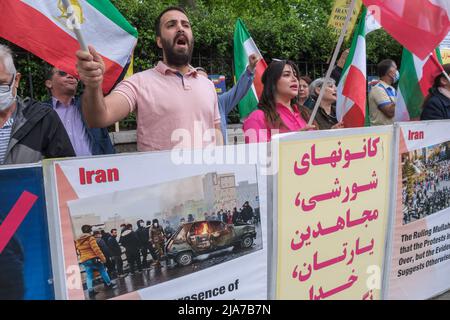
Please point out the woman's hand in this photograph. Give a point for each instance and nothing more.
(339, 125)
(308, 128)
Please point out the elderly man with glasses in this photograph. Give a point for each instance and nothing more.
(29, 130)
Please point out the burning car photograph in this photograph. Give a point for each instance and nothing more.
(198, 238)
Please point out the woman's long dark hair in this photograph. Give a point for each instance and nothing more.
(267, 102)
(436, 84)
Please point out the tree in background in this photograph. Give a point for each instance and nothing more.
(295, 30)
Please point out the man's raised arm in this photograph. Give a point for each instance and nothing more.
(98, 111)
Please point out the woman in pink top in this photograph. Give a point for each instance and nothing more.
(277, 109)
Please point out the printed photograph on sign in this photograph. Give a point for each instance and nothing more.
(425, 181)
(157, 233)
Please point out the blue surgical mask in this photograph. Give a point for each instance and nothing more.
(7, 98)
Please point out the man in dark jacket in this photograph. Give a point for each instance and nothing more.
(85, 141)
(29, 131)
(247, 212)
(437, 104)
(130, 241)
(437, 107)
(143, 236)
(116, 252)
(106, 252)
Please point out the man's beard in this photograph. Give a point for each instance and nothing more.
(174, 58)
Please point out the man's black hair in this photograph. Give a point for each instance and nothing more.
(384, 66)
(49, 71)
(86, 228)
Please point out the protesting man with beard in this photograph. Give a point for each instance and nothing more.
(175, 106)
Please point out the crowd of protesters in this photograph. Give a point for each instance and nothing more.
(173, 96)
(244, 215)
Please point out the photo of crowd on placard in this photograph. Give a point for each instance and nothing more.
(425, 182)
(137, 238)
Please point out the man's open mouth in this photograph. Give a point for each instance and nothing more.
(181, 41)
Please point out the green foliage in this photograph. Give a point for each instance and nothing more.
(380, 46)
(287, 29)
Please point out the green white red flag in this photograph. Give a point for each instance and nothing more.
(416, 79)
(244, 46)
(419, 25)
(352, 88)
(40, 26)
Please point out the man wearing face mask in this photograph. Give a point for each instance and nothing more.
(29, 130)
(382, 97)
(176, 107)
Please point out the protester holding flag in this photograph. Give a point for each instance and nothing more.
(29, 130)
(326, 114)
(336, 74)
(437, 104)
(352, 88)
(175, 106)
(244, 47)
(382, 97)
(277, 110)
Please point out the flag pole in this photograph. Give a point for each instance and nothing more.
(74, 25)
(333, 61)
(440, 66)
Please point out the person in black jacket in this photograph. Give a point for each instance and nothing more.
(110, 266)
(142, 234)
(29, 130)
(437, 104)
(247, 212)
(130, 241)
(116, 252)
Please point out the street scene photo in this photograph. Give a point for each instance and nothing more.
(425, 182)
(132, 239)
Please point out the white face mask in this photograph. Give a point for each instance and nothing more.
(7, 98)
(396, 77)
